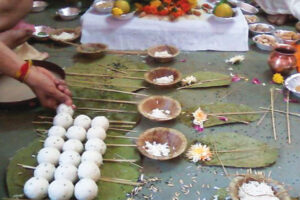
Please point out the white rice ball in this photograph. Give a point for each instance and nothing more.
(95, 144)
(83, 121)
(86, 189)
(45, 170)
(92, 156)
(63, 119)
(67, 171)
(73, 145)
(55, 142)
(48, 155)
(76, 132)
(89, 170)
(63, 108)
(96, 132)
(69, 157)
(100, 121)
(61, 189)
(57, 131)
(36, 188)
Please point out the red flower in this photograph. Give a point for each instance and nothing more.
(163, 11)
(150, 10)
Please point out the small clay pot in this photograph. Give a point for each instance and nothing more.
(161, 72)
(283, 60)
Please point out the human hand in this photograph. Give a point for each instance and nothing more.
(50, 90)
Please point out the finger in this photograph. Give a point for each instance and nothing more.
(61, 97)
(47, 102)
(68, 92)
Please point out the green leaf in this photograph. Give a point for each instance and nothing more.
(219, 108)
(210, 79)
(222, 194)
(236, 150)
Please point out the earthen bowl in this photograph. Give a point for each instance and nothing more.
(170, 49)
(91, 49)
(161, 72)
(175, 139)
(279, 190)
(76, 31)
(146, 106)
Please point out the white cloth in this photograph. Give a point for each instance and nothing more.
(204, 33)
(281, 7)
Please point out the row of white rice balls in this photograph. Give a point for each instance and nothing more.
(66, 173)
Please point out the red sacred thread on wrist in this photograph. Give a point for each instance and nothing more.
(23, 71)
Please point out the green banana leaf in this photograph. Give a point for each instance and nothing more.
(219, 108)
(17, 176)
(210, 79)
(236, 150)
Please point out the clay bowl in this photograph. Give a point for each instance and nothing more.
(237, 182)
(76, 31)
(91, 49)
(39, 6)
(175, 139)
(170, 49)
(161, 72)
(146, 106)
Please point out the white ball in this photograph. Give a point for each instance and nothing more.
(57, 131)
(48, 155)
(55, 142)
(67, 171)
(95, 144)
(45, 170)
(73, 145)
(63, 108)
(92, 156)
(89, 170)
(100, 121)
(96, 132)
(69, 157)
(86, 189)
(61, 189)
(36, 188)
(76, 132)
(83, 121)
(63, 119)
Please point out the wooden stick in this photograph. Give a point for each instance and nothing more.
(137, 70)
(288, 118)
(106, 110)
(129, 163)
(26, 166)
(121, 122)
(126, 52)
(124, 130)
(237, 113)
(116, 70)
(272, 113)
(105, 100)
(122, 126)
(41, 122)
(224, 169)
(282, 112)
(241, 121)
(103, 76)
(120, 136)
(202, 82)
(120, 160)
(120, 181)
(107, 84)
(109, 90)
(44, 117)
(121, 145)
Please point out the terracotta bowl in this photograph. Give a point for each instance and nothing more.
(91, 48)
(76, 31)
(146, 106)
(161, 72)
(237, 182)
(171, 50)
(175, 139)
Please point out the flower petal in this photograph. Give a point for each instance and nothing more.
(256, 81)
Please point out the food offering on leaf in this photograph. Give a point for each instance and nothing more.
(198, 152)
(223, 9)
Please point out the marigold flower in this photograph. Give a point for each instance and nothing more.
(155, 3)
(278, 78)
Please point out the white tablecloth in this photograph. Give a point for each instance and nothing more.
(204, 33)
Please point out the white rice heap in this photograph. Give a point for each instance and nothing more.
(160, 114)
(162, 54)
(156, 149)
(62, 171)
(64, 36)
(164, 79)
(256, 191)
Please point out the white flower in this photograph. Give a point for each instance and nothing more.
(199, 117)
(236, 59)
(199, 152)
(189, 80)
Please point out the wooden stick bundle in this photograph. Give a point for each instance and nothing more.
(105, 100)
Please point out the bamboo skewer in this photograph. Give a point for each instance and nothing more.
(126, 52)
(236, 113)
(120, 160)
(129, 163)
(109, 90)
(282, 112)
(137, 70)
(26, 166)
(121, 145)
(272, 113)
(106, 110)
(121, 126)
(103, 76)
(120, 136)
(107, 84)
(120, 129)
(41, 122)
(224, 169)
(121, 181)
(288, 118)
(105, 100)
(116, 70)
(200, 83)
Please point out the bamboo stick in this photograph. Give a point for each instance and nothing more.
(103, 76)
(120, 136)
(105, 100)
(124, 130)
(120, 181)
(137, 70)
(282, 112)
(121, 126)
(106, 110)
(121, 145)
(106, 84)
(41, 122)
(237, 113)
(129, 163)
(120, 160)
(109, 90)
(272, 113)
(224, 169)
(121, 122)
(44, 117)
(288, 118)
(241, 121)
(126, 52)
(26, 166)
(202, 82)
(116, 70)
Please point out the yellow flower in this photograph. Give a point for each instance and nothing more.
(155, 3)
(278, 78)
(117, 11)
(193, 3)
(138, 6)
(199, 152)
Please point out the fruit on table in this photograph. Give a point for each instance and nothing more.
(116, 11)
(223, 10)
(123, 5)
